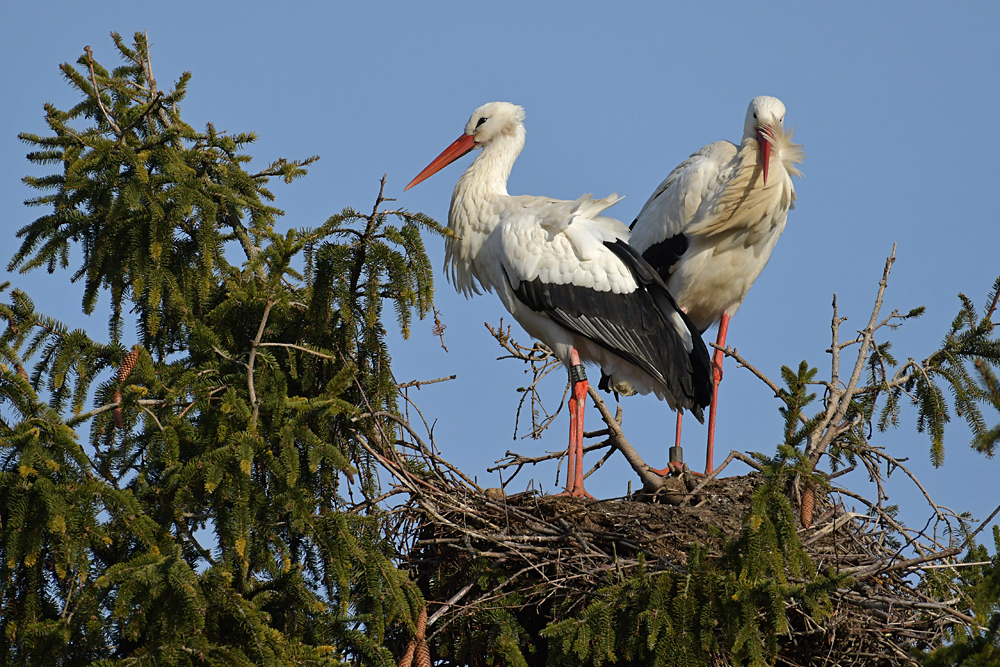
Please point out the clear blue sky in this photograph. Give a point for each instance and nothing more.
(896, 105)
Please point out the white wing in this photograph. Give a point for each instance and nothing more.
(560, 243)
(575, 281)
(676, 203)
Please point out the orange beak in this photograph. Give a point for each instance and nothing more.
(458, 148)
(764, 141)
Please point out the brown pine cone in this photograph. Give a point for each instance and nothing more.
(423, 654)
(23, 373)
(128, 363)
(422, 623)
(407, 658)
(808, 505)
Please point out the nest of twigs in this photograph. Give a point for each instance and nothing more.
(893, 590)
(560, 551)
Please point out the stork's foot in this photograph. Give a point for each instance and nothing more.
(673, 468)
(578, 492)
(676, 465)
(676, 468)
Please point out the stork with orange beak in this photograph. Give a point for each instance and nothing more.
(710, 226)
(568, 276)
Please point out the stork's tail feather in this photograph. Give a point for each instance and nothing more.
(609, 384)
(689, 380)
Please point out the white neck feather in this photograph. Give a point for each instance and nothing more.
(475, 207)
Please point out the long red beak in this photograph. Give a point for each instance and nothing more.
(763, 140)
(458, 148)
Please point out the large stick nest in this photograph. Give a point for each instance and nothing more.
(553, 555)
(557, 552)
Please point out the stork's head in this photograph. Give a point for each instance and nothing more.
(488, 122)
(493, 119)
(763, 114)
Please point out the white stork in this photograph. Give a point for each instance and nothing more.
(710, 227)
(568, 277)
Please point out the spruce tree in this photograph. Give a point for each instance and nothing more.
(205, 496)
(208, 493)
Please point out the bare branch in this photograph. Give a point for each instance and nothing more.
(250, 366)
(97, 96)
(419, 383)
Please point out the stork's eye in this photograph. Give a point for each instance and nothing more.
(481, 121)
(755, 114)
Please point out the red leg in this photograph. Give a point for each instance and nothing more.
(580, 394)
(571, 450)
(577, 405)
(716, 379)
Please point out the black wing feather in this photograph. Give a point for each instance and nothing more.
(634, 326)
(664, 254)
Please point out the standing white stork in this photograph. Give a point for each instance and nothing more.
(567, 276)
(710, 227)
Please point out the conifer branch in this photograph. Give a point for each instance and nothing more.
(262, 463)
(985, 522)
(254, 346)
(743, 363)
(228, 358)
(142, 402)
(308, 350)
(155, 419)
(190, 536)
(152, 106)
(97, 96)
(251, 250)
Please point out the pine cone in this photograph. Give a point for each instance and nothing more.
(808, 505)
(418, 645)
(407, 658)
(422, 623)
(423, 653)
(21, 372)
(117, 413)
(128, 364)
